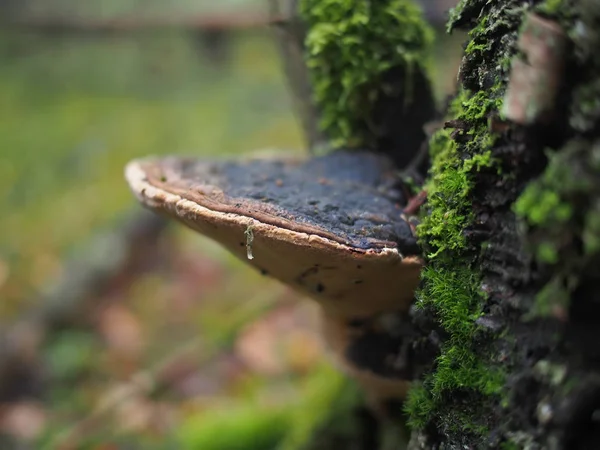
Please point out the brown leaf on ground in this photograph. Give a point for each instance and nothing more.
(282, 341)
(141, 415)
(4, 272)
(122, 332)
(46, 266)
(24, 420)
(193, 275)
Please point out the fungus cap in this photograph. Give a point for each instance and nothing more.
(331, 227)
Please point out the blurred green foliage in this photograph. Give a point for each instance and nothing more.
(69, 354)
(238, 426)
(75, 109)
(111, 9)
(274, 425)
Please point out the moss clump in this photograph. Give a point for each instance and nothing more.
(451, 286)
(324, 408)
(541, 206)
(350, 46)
(450, 184)
(551, 7)
(455, 297)
(456, 14)
(443, 228)
(558, 210)
(465, 373)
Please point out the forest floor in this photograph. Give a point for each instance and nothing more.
(154, 355)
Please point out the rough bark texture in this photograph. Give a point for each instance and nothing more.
(512, 234)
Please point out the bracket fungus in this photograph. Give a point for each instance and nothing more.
(331, 227)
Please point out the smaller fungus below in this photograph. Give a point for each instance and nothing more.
(263, 211)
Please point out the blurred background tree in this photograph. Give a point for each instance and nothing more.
(117, 331)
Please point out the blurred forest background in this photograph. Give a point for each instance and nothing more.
(117, 330)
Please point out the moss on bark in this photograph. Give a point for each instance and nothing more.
(367, 63)
(512, 240)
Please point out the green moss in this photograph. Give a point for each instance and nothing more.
(351, 45)
(539, 205)
(451, 284)
(556, 210)
(547, 253)
(419, 406)
(451, 287)
(551, 7)
(469, 373)
(454, 295)
(477, 162)
(236, 427)
(478, 45)
(450, 184)
(476, 109)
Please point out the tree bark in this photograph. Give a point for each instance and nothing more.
(512, 234)
(290, 36)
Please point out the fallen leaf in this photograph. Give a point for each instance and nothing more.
(285, 340)
(24, 420)
(122, 331)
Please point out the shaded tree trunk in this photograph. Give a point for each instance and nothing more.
(512, 233)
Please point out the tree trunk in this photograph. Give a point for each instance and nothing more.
(511, 234)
